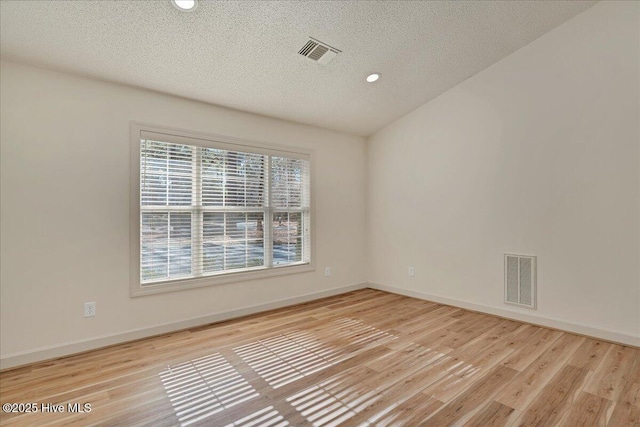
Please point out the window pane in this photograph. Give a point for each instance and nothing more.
(287, 237)
(213, 242)
(213, 177)
(154, 229)
(179, 244)
(232, 240)
(165, 173)
(165, 250)
(232, 178)
(289, 182)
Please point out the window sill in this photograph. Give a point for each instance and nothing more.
(223, 278)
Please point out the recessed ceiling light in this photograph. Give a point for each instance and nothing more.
(185, 5)
(373, 77)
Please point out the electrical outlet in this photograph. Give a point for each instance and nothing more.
(89, 309)
(327, 271)
(411, 272)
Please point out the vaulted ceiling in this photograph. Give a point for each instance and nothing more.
(244, 54)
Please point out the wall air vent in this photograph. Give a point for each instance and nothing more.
(520, 280)
(318, 51)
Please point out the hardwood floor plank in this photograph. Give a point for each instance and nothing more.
(613, 373)
(385, 397)
(408, 412)
(421, 322)
(472, 399)
(625, 415)
(493, 414)
(587, 410)
(525, 388)
(589, 354)
(540, 340)
(550, 405)
(393, 321)
(635, 372)
(631, 394)
(475, 359)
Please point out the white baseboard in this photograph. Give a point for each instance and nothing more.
(626, 339)
(51, 352)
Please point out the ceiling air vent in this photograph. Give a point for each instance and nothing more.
(318, 51)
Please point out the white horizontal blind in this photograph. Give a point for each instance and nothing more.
(232, 179)
(206, 210)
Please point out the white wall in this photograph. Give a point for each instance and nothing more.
(65, 211)
(538, 154)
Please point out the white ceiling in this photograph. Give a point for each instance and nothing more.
(244, 54)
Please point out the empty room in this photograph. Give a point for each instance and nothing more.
(319, 213)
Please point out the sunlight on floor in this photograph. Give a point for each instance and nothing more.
(333, 401)
(267, 417)
(285, 358)
(205, 386)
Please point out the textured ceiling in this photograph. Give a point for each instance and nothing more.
(244, 54)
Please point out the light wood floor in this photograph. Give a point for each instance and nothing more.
(363, 358)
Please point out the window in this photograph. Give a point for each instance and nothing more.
(210, 210)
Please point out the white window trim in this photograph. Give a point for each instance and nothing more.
(237, 144)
